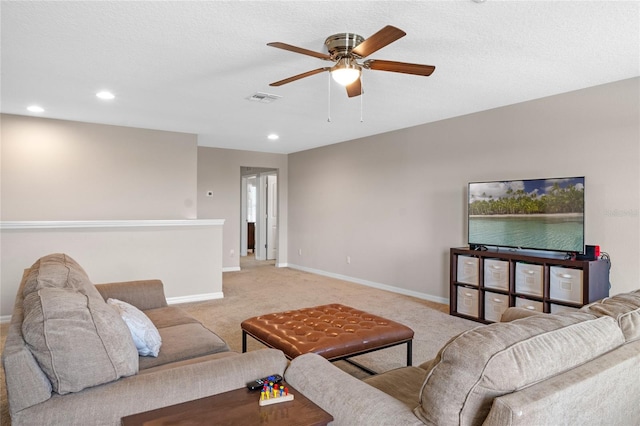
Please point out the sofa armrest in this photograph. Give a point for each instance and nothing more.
(350, 401)
(143, 294)
(514, 313)
(26, 383)
(107, 404)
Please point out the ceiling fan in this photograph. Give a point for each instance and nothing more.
(345, 49)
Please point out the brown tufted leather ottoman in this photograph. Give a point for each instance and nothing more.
(333, 331)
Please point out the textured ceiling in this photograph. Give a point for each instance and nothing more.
(190, 66)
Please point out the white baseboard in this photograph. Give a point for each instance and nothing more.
(194, 298)
(237, 268)
(220, 295)
(423, 296)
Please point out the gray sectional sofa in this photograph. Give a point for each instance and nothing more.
(70, 359)
(579, 368)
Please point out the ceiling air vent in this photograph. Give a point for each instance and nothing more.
(265, 98)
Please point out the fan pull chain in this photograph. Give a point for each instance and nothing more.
(329, 98)
(361, 100)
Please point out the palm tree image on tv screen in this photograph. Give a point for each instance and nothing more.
(542, 214)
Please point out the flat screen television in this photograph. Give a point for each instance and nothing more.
(537, 214)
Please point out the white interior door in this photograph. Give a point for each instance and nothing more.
(266, 217)
(261, 218)
(272, 216)
(243, 217)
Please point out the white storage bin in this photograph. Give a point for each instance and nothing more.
(494, 305)
(467, 270)
(532, 305)
(554, 309)
(565, 284)
(529, 279)
(468, 301)
(496, 274)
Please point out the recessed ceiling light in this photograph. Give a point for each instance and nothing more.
(273, 137)
(35, 108)
(105, 95)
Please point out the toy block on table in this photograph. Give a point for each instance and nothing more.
(276, 400)
(273, 394)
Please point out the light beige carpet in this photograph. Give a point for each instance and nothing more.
(261, 288)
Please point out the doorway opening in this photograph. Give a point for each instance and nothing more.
(259, 214)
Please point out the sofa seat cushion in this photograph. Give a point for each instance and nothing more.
(489, 361)
(78, 341)
(59, 270)
(403, 384)
(184, 341)
(189, 361)
(169, 316)
(624, 308)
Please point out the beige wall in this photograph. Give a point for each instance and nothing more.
(55, 170)
(66, 170)
(219, 171)
(396, 202)
(185, 255)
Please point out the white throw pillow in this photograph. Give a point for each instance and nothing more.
(145, 335)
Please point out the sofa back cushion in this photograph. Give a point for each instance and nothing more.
(59, 270)
(485, 362)
(78, 341)
(76, 338)
(624, 308)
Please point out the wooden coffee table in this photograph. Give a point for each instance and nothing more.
(238, 407)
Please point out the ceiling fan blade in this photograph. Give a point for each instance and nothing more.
(296, 49)
(385, 36)
(403, 67)
(299, 76)
(354, 89)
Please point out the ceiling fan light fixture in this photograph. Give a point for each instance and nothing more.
(35, 108)
(105, 95)
(346, 71)
(345, 50)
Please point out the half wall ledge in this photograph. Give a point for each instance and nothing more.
(186, 254)
(61, 224)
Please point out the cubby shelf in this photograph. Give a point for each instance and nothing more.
(483, 283)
